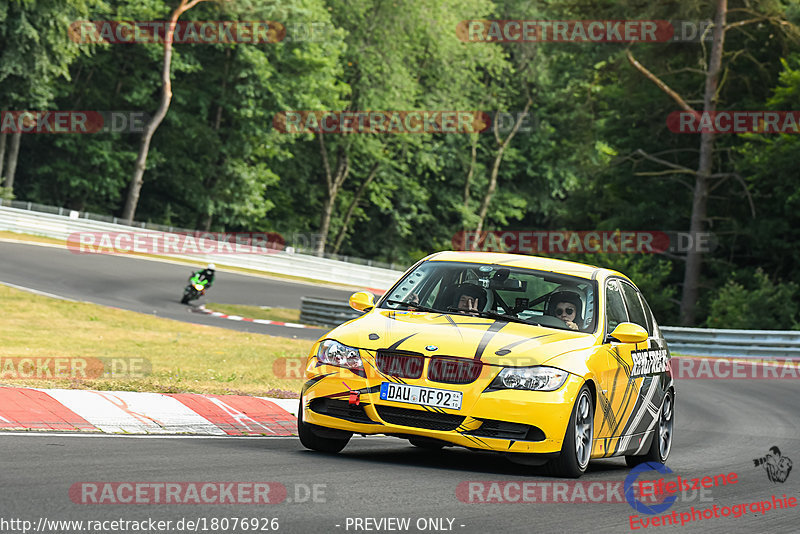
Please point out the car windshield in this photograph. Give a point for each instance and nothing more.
(498, 292)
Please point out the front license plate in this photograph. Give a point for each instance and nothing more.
(440, 398)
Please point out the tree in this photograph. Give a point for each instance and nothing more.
(400, 56)
(705, 180)
(150, 128)
(36, 51)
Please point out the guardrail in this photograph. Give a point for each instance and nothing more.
(763, 344)
(85, 215)
(280, 262)
(324, 312)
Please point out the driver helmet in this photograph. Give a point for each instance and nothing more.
(471, 290)
(211, 267)
(566, 296)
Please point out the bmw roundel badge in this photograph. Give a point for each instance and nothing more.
(431, 348)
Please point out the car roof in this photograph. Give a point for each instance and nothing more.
(540, 263)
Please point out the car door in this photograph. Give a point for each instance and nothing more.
(614, 397)
(643, 364)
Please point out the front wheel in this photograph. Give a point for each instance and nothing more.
(577, 447)
(314, 441)
(661, 443)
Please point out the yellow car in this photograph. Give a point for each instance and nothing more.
(549, 362)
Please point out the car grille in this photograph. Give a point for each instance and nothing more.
(505, 430)
(399, 365)
(419, 418)
(454, 370)
(342, 410)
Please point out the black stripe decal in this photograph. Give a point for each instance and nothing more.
(396, 344)
(493, 329)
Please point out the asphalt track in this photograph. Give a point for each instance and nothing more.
(721, 426)
(153, 287)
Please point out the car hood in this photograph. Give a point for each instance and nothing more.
(492, 341)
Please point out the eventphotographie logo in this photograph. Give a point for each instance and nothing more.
(777, 466)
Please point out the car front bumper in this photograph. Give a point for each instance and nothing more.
(512, 421)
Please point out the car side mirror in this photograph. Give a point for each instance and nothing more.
(362, 301)
(628, 333)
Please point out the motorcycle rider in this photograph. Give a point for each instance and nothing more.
(204, 274)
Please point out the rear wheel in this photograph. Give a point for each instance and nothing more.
(577, 447)
(311, 438)
(661, 443)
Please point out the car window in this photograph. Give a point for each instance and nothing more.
(651, 320)
(615, 307)
(526, 294)
(634, 305)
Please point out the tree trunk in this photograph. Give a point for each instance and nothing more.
(135, 187)
(334, 183)
(11, 168)
(487, 199)
(470, 173)
(694, 258)
(372, 173)
(3, 137)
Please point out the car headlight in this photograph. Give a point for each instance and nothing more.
(332, 352)
(537, 378)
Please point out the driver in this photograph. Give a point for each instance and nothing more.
(566, 305)
(469, 298)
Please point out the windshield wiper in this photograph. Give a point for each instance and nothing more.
(491, 315)
(417, 307)
(504, 317)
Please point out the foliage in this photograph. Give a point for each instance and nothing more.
(762, 305)
(216, 162)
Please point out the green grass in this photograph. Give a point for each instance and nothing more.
(183, 357)
(286, 315)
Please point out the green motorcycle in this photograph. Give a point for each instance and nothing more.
(195, 289)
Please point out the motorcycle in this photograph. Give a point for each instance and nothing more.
(195, 289)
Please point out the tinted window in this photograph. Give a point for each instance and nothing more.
(615, 308)
(528, 294)
(651, 320)
(634, 305)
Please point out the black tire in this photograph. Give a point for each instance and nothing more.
(429, 444)
(185, 299)
(661, 442)
(572, 462)
(314, 441)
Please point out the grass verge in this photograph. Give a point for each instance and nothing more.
(182, 357)
(286, 315)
